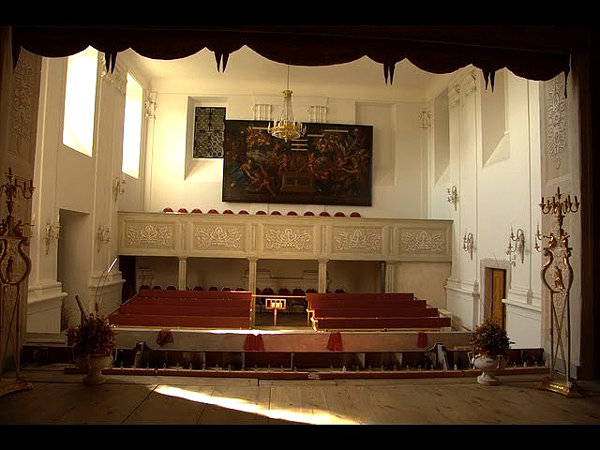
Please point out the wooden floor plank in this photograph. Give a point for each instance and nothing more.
(355, 402)
(172, 404)
(44, 404)
(237, 405)
(104, 404)
(181, 400)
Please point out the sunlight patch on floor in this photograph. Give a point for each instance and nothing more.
(315, 418)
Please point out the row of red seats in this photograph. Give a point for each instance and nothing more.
(261, 213)
(265, 291)
(174, 308)
(372, 311)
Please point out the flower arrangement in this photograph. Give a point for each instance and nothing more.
(490, 340)
(94, 335)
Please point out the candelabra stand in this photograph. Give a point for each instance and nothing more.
(557, 265)
(15, 267)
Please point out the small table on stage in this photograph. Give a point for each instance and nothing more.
(276, 304)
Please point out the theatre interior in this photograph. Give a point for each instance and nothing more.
(300, 201)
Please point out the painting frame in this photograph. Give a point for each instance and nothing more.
(331, 164)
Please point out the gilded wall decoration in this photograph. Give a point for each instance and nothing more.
(288, 239)
(422, 241)
(149, 235)
(218, 236)
(357, 239)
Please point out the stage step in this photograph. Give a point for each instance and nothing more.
(178, 310)
(372, 323)
(147, 320)
(399, 311)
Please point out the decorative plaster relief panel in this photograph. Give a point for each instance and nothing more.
(424, 244)
(358, 240)
(283, 237)
(151, 236)
(288, 239)
(218, 237)
(556, 121)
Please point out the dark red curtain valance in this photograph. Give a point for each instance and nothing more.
(529, 52)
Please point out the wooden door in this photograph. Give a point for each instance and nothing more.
(498, 293)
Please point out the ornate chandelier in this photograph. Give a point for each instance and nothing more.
(285, 128)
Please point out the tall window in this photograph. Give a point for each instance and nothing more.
(80, 101)
(133, 128)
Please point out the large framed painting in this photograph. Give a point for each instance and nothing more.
(331, 164)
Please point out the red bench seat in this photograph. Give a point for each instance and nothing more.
(379, 323)
(339, 311)
(196, 309)
(161, 321)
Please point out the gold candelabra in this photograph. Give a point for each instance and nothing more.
(13, 273)
(8, 226)
(557, 254)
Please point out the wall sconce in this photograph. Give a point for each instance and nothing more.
(52, 232)
(519, 247)
(538, 238)
(103, 235)
(468, 243)
(453, 196)
(119, 186)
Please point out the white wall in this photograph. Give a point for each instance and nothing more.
(399, 155)
(494, 162)
(79, 186)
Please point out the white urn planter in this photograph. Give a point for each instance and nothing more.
(489, 367)
(96, 362)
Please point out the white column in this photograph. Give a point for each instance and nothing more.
(252, 264)
(322, 276)
(390, 276)
(182, 280)
(150, 110)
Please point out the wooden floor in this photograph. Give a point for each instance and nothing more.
(59, 398)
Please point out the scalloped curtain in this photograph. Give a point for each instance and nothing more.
(444, 49)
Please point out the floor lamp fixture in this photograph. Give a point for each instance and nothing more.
(286, 128)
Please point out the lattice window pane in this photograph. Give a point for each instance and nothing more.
(209, 132)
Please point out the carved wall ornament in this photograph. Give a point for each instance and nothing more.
(358, 239)
(118, 78)
(149, 235)
(150, 105)
(454, 96)
(556, 120)
(425, 119)
(24, 77)
(469, 84)
(288, 238)
(218, 236)
(423, 241)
